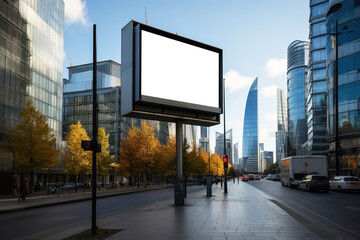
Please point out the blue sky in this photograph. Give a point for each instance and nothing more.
(254, 36)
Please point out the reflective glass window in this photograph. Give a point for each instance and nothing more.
(319, 9)
(318, 42)
(318, 28)
(319, 74)
(319, 87)
(319, 55)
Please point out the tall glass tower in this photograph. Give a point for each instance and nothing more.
(282, 126)
(316, 80)
(250, 132)
(296, 98)
(347, 17)
(31, 61)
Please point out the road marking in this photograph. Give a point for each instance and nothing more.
(355, 209)
(326, 219)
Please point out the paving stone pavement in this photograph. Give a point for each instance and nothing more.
(244, 213)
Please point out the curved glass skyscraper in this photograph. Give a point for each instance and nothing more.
(296, 75)
(250, 132)
(348, 28)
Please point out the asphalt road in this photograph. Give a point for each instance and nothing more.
(21, 224)
(332, 215)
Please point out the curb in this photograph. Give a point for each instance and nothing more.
(76, 200)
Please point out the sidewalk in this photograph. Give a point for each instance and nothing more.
(244, 213)
(41, 200)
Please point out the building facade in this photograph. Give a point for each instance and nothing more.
(346, 18)
(236, 154)
(204, 139)
(31, 63)
(316, 81)
(78, 104)
(219, 147)
(296, 95)
(282, 126)
(250, 132)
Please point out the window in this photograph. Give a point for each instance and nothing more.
(319, 9)
(318, 42)
(319, 55)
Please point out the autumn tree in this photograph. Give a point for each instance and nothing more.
(165, 160)
(216, 165)
(76, 160)
(34, 142)
(129, 163)
(103, 158)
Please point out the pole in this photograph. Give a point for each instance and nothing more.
(179, 187)
(336, 99)
(225, 181)
(209, 148)
(94, 140)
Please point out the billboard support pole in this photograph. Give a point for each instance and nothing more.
(179, 184)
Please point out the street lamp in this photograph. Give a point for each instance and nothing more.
(225, 182)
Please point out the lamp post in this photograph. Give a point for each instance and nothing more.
(225, 181)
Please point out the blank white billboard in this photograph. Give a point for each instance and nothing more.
(174, 70)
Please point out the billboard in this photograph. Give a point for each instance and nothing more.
(167, 77)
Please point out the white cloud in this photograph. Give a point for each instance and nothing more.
(267, 134)
(269, 91)
(271, 117)
(76, 11)
(275, 67)
(234, 81)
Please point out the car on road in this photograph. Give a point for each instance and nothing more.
(269, 177)
(276, 177)
(314, 182)
(245, 178)
(345, 183)
(251, 177)
(257, 177)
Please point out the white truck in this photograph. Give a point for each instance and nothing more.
(294, 168)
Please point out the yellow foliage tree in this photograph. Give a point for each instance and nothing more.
(76, 160)
(34, 142)
(103, 158)
(165, 161)
(216, 165)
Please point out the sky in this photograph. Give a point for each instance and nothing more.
(253, 34)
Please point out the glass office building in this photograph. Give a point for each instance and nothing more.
(219, 147)
(316, 81)
(347, 14)
(282, 127)
(296, 95)
(78, 104)
(250, 132)
(31, 62)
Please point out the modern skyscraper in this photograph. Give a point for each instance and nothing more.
(345, 15)
(236, 154)
(296, 97)
(31, 62)
(250, 132)
(316, 81)
(219, 148)
(204, 139)
(282, 126)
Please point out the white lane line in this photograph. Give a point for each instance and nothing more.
(351, 208)
(326, 219)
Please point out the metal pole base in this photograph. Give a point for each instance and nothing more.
(208, 186)
(179, 194)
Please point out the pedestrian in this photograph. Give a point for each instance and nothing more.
(23, 190)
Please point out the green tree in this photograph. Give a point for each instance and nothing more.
(76, 160)
(34, 142)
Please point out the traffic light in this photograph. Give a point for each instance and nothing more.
(225, 160)
(86, 145)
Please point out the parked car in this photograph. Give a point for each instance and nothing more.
(251, 177)
(245, 178)
(276, 177)
(345, 183)
(269, 177)
(314, 182)
(257, 177)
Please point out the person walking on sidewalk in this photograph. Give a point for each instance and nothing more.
(23, 190)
